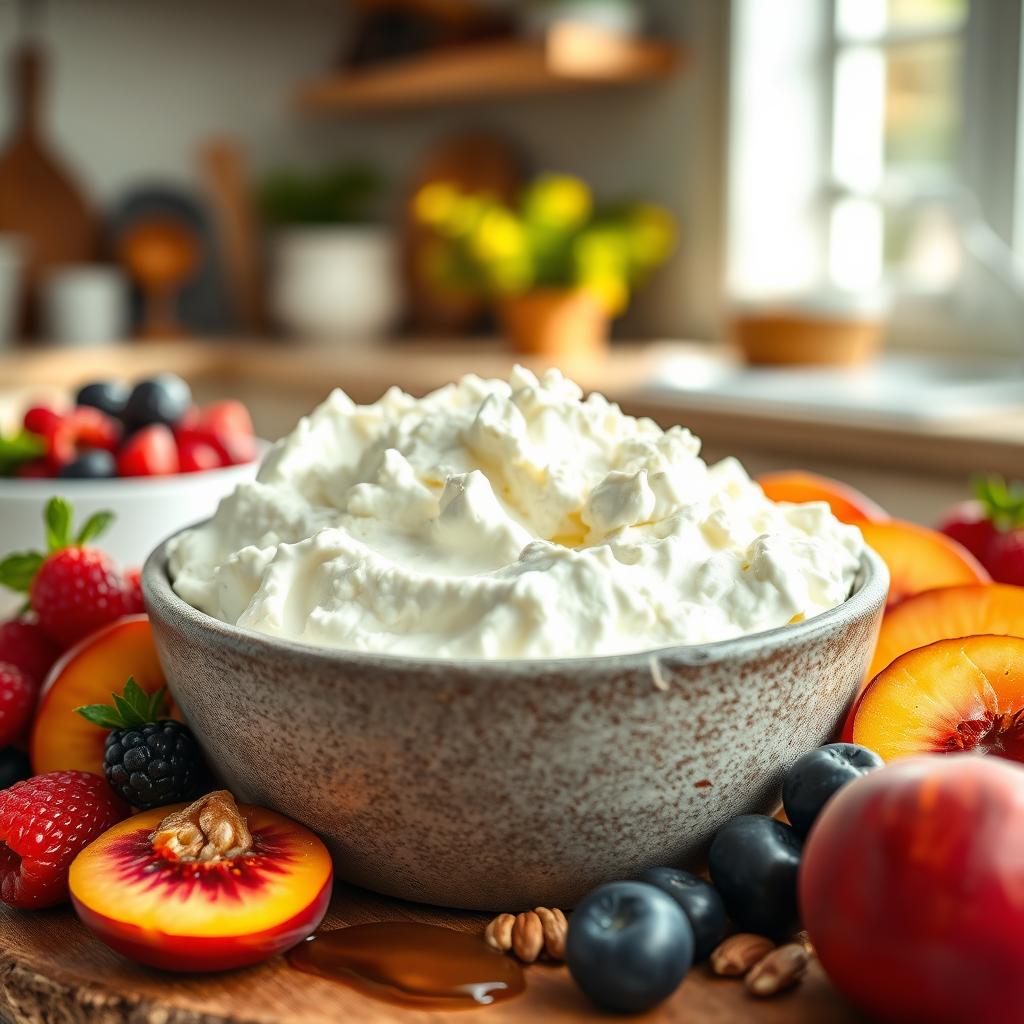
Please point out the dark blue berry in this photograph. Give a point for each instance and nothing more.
(14, 766)
(92, 464)
(820, 773)
(164, 399)
(629, 946)
(753, 863)
(106, 395)
(700, 902)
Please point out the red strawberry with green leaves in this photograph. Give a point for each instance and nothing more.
(991, 527)
(74, 589)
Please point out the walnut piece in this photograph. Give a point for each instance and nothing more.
(738, 953)
(210, 829)
(781, 969)
(530, 934)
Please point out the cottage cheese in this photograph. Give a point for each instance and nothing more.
(506, 519)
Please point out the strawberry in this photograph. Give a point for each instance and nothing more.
(133, 603)
(41, 419)
(227, 426)
(18, 691)
(91, 428)
(1005, 557)
(73, 589)
(150, 451)
(969, 524)
(196, 454)
(44, 822)
(25, 645)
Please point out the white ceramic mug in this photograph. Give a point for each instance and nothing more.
(85, 304)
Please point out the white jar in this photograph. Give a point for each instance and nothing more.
(335, 283)
(85, 305)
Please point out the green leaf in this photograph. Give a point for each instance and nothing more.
(100, 714)
(1003, 502)
(98, 523)
(18, 570)
(18, 449)
(129, 716)
(58, 524)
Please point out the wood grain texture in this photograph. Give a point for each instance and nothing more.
(53, 970)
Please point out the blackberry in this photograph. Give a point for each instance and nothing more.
(155, 764)
(149, 759)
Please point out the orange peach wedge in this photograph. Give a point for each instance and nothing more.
(847, 504)
(207, 887)
(920, 559)
(963, 694)
(88, 674)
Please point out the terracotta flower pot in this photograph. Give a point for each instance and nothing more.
(555, 322)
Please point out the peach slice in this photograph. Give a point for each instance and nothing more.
(207, 887)
(88, 674)
(962, 694)
(945, 613)
(847, 504)
(920, 559)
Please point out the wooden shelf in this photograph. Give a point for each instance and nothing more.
(571, 57)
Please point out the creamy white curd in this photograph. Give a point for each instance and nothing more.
(496, 519)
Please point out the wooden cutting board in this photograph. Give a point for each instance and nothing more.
(53, 970)
(39, 200)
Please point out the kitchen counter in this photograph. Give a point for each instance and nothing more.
(909, 465)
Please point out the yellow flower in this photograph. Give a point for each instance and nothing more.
(498, 236)
(557, 201)
(435, 204)
(652, 234)
(611, 290)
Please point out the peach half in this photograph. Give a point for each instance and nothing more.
(920, 559)
(960, 695)
(88, 674)
(207, 887)
(848, 505)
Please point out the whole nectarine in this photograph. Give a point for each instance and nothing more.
(912, 891)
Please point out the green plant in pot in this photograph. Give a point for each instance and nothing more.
(557, 266)
(333, 259)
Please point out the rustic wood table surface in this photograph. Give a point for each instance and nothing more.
(52, 970)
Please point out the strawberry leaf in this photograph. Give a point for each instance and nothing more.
(18, 570)
(101, 715)
(96, 525)
(1003, 502)
(58, 524)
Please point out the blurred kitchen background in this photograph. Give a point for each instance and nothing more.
(796, 226)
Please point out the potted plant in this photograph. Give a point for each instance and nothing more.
(557, 267)
(334, 273)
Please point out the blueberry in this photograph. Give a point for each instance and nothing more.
(819, 774)
(14, 766)
(163, 399)
(629, 946)
(753, 863)
(700, 902)
(106, 395)
(92, 464)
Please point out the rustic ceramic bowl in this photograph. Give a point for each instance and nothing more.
(499, 785)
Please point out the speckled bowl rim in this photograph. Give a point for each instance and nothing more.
(868, 595)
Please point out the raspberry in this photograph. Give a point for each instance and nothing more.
(133, 603)
(94, 429)
(150, 451)
(75, 592)
(17, 702)
(41, 419)
(27, 646)
(44, 823)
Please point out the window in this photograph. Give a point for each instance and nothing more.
(898, 119)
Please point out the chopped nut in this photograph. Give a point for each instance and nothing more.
(738, 953)
(555, 929)
(211, 828)
(529, 934)
(498, 934)
(781, 969)
(527, 937)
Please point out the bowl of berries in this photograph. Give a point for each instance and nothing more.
(146, 450)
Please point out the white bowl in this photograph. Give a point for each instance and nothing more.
(147, 509)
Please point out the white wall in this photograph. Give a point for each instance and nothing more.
(139, 83)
